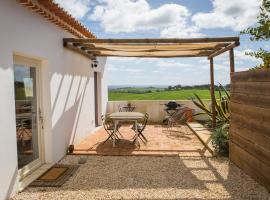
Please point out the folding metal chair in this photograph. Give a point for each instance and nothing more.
(24, 130)
(120, 108)
(140, 129)
(108, 125)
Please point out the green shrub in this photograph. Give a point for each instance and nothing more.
(220, 140)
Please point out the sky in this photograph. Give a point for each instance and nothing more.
(169, 19)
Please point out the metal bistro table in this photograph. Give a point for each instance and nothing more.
(125, 116)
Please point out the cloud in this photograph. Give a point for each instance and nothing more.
(173, 20)
(170, 20)
(126, 16)
(78, 8)
(241, 55)
(134, 60)
(121, 59)
(172, 63)
(203, 61)
(181, 31)
(132, 70)
(129, 16)
(112, 67)
(236, 15)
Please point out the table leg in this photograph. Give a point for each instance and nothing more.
(114, 132)
(136, 130)
(136, 127)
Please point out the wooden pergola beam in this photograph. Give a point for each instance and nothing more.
(227, 48)
(89, 48)
(153, 45)
(78, 50)
(155, 40)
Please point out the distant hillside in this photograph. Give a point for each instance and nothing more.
(148, 89)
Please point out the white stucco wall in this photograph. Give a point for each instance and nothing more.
(67, 87)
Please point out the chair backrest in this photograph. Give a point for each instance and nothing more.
(106, 121)
(103, 120)
(145, 120)
(120, 108)
(180, 116)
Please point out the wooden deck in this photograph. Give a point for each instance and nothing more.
(160, 142)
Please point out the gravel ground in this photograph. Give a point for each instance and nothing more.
(188, 176)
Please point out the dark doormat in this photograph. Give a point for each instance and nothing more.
(56, 176)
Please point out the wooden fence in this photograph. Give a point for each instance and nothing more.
(250, 124)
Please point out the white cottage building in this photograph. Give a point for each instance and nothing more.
(56, 92)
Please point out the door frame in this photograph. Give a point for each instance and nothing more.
(36, 63)
(96, 99)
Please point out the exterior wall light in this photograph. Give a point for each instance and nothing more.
(94, 64)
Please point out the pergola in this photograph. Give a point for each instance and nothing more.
(159, 48)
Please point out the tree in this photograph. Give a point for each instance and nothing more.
(261, 32)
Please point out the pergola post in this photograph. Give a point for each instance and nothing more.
(212, 88)
(231, 61)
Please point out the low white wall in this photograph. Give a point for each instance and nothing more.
(155, 108)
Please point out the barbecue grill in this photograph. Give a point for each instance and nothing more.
(171, 108)
(172, 105)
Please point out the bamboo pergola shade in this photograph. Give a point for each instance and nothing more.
(155, 53)
(145, 47)
(159, 48)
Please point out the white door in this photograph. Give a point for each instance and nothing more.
(28, 115)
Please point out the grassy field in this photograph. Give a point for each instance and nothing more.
(185, 94)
